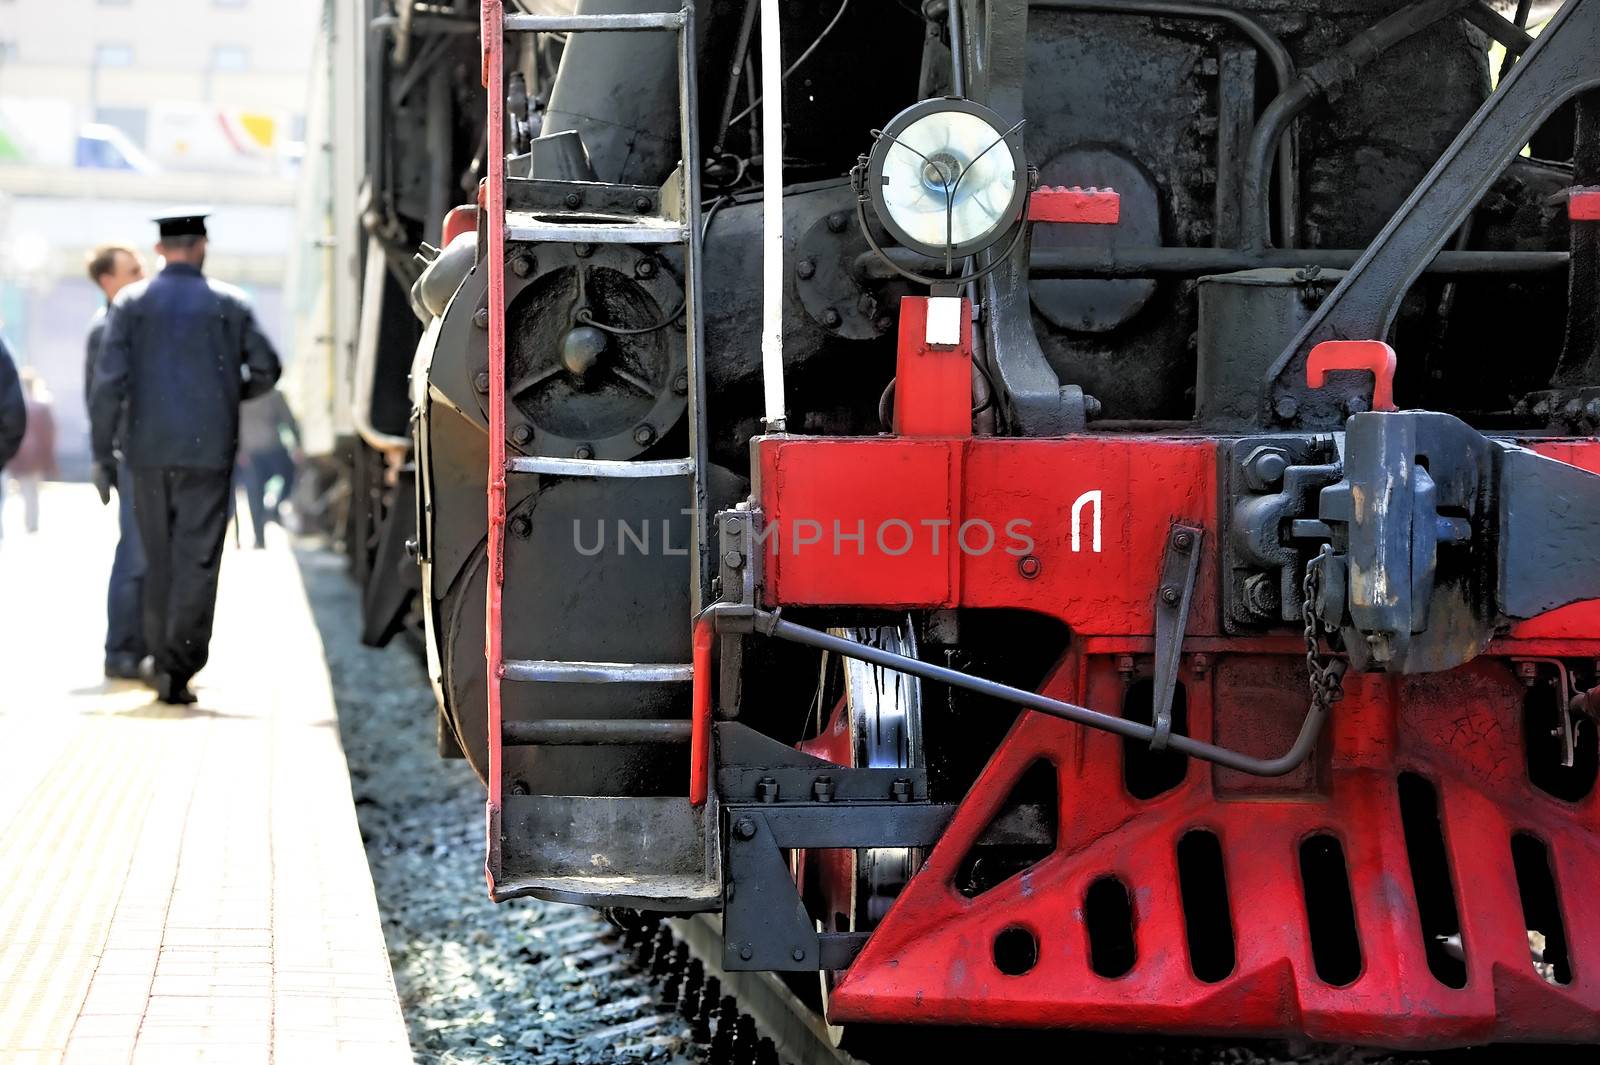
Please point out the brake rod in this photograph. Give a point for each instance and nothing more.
(737, 618)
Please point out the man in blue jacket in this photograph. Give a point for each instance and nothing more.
(179, 353)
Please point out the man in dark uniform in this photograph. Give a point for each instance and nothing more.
(13, 409)
(114, 267)
(179, 353)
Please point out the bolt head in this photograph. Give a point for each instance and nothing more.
(583, 251)
(522, 265)
(480, 318)
(830, 318)
(806, 269)
(836, 222)
(574, 199)
(1029, 567)
(1286, 407)
(643, 435)
(1171, 595)
(644, 268)
(521, 526)
(642, 205)
(746, 953)
(522, 434)
(798, 954)
(583, 451)
(680, 384)
(1183, 539)
(745, 828)
(481, 382)
(732, 559)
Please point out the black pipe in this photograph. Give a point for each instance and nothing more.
(1314, 83)
(1264, 39)
(1515, 39)
(1057, 263)
(1316, 714)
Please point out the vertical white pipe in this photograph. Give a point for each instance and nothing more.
(772, 215)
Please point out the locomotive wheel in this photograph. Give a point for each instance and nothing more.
(874, 723)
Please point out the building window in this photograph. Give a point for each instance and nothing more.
(230, 58)
(132, 121)
(113, 55)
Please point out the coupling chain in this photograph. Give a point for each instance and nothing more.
(1325, 672)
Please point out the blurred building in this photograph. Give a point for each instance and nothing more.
(113, 109)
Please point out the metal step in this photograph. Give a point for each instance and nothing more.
(537, 670)
(527, 226)
(573, 732)
(649, 20)
(559, 467)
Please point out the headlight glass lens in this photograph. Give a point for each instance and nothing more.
(948, 180)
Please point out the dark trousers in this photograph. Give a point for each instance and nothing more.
(125, 596)
(183, 517)
(256, 468)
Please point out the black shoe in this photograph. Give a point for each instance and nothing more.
(174, 692)
(122, 667)
(148, 673)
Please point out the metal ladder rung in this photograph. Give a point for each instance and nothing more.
(537, 670)
(524, 225)
(649, 20)
(572, 732)
(600, 467)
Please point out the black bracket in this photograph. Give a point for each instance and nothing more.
(765, 926)
(1178, 569)
(752, 767)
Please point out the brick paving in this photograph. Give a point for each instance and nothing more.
(176, 884)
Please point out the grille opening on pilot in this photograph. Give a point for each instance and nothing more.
(1108, 915)
(1542, 731)
(1147, 773)
(1431, 880)
(1330, 911)
(1541, 908)
(1022, 834)
(1016, 950)
(1206, 921)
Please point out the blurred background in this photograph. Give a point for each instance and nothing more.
(111, 110)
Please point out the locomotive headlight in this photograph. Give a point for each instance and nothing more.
(947, 177)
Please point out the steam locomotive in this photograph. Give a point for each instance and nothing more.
(1070, 513)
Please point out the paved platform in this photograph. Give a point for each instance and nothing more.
(176, 884)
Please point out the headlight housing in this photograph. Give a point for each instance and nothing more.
(947, 177)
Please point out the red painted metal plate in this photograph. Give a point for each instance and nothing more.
(1583, 204)
(1075, 205)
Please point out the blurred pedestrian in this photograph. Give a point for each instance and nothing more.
(266, 427)
(13, 408)
(35, 459)
(180, 352)
(114, 267)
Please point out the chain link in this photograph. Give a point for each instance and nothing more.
(1325, 673)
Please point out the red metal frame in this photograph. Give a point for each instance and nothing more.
(1583, 204)
(700, 729)
(1091, 206)
(931, 960)
(933, 380)
(494, 254)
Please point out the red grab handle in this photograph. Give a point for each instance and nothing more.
(1091, 206)
(1583, 204)
(700, 729)
(1371, 355)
